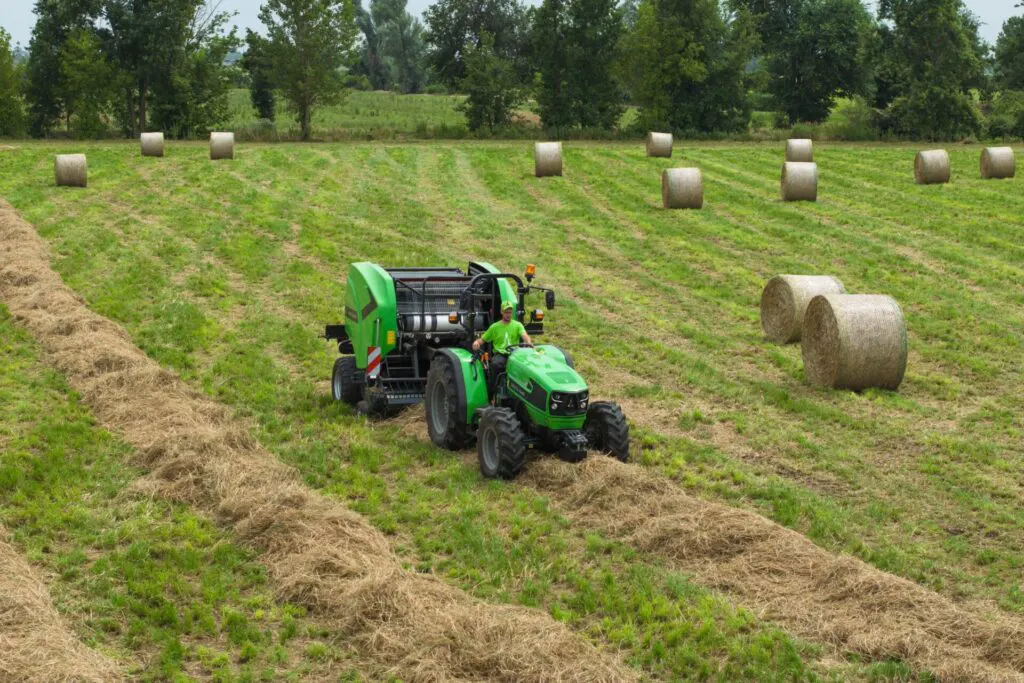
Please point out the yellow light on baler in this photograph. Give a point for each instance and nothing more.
(391, 337)
(453, 318)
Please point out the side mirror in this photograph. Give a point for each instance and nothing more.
(549, 299)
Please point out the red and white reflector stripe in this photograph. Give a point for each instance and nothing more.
(373, 362)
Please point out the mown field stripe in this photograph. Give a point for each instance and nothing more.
(321, 554)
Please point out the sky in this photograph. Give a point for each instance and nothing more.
(16, 15)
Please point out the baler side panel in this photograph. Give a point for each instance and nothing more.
(369, 297)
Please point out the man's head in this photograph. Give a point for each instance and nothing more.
(507, 309)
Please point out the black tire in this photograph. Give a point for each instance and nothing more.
(346, 384)
(606, 430)
(500, 444)
(445, 423)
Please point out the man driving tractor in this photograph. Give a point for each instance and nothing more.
(502, 334)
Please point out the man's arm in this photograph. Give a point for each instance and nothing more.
(478, 342)
(523, 337)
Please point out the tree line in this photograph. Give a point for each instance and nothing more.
(916, 68)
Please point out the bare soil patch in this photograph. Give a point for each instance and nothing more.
(320, 553)
(784, 577)
(35, 642)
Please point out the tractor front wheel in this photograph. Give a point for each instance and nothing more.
(606, 430)
(446, 426)
(500, 444)
(345, 381)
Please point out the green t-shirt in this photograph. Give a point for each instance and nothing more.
(502, 334)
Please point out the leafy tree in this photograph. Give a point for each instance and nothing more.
(371, 62)
(686, 63)
(1010, 55)
(551, 54)
(453, 26)
(87, 79)
(256, 63)
(814, 50)
(825, 54)
(401, 44)
(310, 43)
(575, 45)
(44, 88)
(937, 43)
(491, 86)
(12, 115)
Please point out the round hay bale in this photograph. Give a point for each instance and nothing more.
(70, 170)
(931, 166)
(547, 159)
(799, 149)
(222, 146)
(152, 144)
(854, 341)
(998, 162)
(659, 145)
(785, 300)
(799, 181)
(682, 188)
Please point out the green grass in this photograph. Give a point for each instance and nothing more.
(226, 272)
(153, 585)
(361, 115)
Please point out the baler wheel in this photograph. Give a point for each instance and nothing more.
(345, 384)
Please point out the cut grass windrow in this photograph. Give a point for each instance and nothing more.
(35, 642)
(149, 583)
(783, 576)
(321, 554)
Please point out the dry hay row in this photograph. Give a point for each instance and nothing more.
(320, 553)
(783, 576)
(35, 642)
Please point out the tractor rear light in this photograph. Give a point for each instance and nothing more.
(531, 270)
(537, 315)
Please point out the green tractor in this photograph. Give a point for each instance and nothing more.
(407, 337)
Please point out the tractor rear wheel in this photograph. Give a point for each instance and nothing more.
(345, 381)
(446, 424)
(500, 444)
(606, 430)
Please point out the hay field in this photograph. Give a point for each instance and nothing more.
(225, 272)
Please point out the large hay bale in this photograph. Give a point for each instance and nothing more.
(659, 145)
(799, 150)
(998, 162)
(547, 159)
(785, 300)
(222, 146)
(854, 341)
(152, 144)
(799, 181)
(682, 188)
(70, 170)
(931, 166)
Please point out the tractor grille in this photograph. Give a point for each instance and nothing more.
(569, 404)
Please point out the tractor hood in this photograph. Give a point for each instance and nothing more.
(544, 366)
(552, 390)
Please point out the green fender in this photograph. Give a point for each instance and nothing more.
(472, 384)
